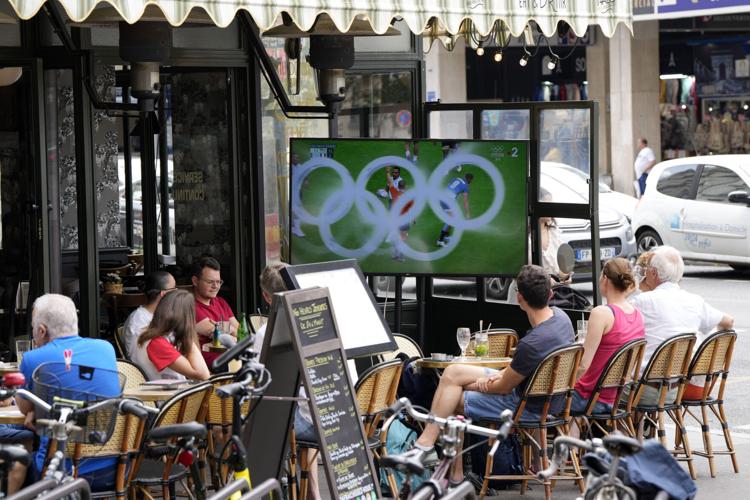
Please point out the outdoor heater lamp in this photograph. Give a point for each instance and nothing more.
(331, 53)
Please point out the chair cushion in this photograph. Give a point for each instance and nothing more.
(536, 424)
(150, 473)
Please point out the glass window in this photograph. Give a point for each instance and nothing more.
(677, 181)
(716, 183)
(565, 136)
(451, 125)
(455, 288)
(300, 84)
(378, 103)
(505, 124)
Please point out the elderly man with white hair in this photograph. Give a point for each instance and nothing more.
(54, 324)
(668, 310)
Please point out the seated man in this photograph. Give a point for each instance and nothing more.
(210, 309)
(158, 284)
(481, 393)
(668, 311)
(16, 434)
(54, 324)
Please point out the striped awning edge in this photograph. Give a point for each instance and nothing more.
(516, 14)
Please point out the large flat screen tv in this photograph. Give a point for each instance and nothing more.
(432, 207)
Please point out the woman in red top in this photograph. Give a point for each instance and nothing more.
(609, 328)
(168, 348)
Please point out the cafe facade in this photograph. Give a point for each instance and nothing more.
(137, 136)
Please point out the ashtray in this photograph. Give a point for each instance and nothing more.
(439, 356)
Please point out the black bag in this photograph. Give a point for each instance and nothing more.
(507, 460)
(566, 297)
(419, 385)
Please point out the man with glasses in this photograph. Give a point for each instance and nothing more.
(210, 309)
(157, 285)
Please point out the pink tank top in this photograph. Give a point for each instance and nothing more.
(626, 327)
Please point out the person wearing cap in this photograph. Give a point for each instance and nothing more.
(158, 284)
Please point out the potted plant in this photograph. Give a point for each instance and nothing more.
(112, 283)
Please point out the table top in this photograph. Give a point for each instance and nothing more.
(11, 415)
(148, 393)
(8, 368)
(485, 362)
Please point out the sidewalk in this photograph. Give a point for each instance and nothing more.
(725, 486)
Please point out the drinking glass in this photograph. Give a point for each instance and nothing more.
(463, 337)
(22, 347)
(581, 327)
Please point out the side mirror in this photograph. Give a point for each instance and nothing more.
(739, 197)
(566, 258)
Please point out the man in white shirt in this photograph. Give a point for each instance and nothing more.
(157, 285)
(643, 164)
(668, 310)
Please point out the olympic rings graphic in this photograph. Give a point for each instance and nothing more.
(386, 222)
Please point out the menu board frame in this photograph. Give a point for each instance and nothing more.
(285, 339)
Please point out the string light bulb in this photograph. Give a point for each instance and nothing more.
(480, 51)
(498, 56)
(524, 60)
(552, 63)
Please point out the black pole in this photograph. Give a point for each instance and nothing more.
(148, 188)
(164, 181)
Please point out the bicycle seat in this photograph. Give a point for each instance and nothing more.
(10, 453)
(409, 462)
(621, 445)
(178, 430)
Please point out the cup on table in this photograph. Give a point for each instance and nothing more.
(581, 327)
(22, 347)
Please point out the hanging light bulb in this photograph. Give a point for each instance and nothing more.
(480, 51)
(552, 63)
(524, 60)
(498, 56)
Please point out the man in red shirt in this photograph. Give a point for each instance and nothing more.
(211, 309)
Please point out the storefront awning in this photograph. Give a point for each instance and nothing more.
(516, 14)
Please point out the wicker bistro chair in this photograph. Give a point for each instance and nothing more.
(711, 361)
(219, 415)
(502, 342)
(667, 369)
(404, 344)
(185, 406)
(555, 376)
(375, 393)
(620, 373)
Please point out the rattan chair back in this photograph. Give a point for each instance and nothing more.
(219, 411)
(714, 355)
(671, 360)
(376, 390)
(185, 406)
(502, 342)
(134, 376)
(620, 372)
(120, 341)
(257, 320)
(404, 344)
(556, 373)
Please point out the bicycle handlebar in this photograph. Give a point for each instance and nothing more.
(30, 396)
(137, 408)
(561, 450)
(252, 373)
(234, 352)
(506, 418)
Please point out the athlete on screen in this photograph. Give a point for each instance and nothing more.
(395, 187)
(456, 187)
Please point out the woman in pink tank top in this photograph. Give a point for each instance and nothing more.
(609, 328)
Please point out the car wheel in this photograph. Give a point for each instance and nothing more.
(497, 288)
(648, 240)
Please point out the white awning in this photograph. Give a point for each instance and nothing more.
(483, 14)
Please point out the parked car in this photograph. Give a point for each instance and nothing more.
(700, 206)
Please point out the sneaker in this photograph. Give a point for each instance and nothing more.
(447, 239)
(440, 243)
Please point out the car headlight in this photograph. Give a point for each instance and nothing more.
(629, 233)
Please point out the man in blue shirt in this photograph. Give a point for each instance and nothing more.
(457, 186)
(54, 324)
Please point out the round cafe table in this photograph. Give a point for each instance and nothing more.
(496, 363)
(154, 394)
(11, 415)
(6, 368)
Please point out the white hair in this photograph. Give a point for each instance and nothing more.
(57, 313)
(668, 264)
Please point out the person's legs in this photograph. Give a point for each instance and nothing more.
(448, 399)
(304, 431)
(20, 435)
(642, 183)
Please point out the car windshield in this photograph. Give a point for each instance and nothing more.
(560, 192)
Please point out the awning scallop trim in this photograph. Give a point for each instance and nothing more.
(516, 14)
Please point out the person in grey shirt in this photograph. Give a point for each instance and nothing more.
(158, 284)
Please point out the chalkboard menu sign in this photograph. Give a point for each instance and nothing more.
(307, 319)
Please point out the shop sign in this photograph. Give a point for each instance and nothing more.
(672, 9)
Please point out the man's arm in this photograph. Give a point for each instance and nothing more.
(24, 406)
(205, 327)
(499, 383)
(726, 322)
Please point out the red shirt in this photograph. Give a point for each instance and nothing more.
(216, 310)
(162, 353)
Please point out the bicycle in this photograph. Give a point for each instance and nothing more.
(602, 483)
(452, 430)
(69, 421)
(250, 382)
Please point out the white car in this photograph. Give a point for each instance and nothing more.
(700, 206)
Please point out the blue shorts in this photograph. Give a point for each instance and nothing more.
(15, 433)
(304, 429)
(578, 405)
(480, 406)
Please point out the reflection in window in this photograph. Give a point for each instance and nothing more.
(380, 101)
(717, 182)
(455, 288)
(505, 124)
(565, 137)
(677, 181)
(451, 125)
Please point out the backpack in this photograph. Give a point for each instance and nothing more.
(400, 439)
(416, 384)
(507, 460)
(566, 297)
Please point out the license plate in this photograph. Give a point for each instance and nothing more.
(584, 254)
